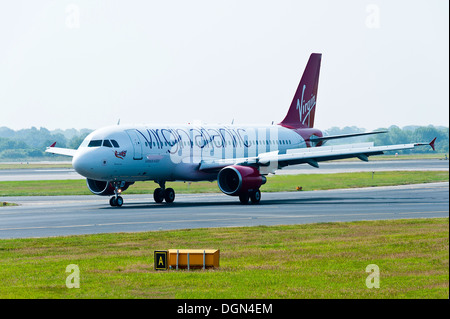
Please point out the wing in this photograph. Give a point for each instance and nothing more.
(311, 156)
(60, 151)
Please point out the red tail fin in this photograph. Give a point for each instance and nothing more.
(303, 106)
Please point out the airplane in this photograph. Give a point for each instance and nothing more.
(238, 157)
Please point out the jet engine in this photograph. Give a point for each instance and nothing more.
(105, 188)
(236, 180)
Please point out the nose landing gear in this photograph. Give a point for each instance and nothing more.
(116, 201)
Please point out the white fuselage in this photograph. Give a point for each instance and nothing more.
(174, 153)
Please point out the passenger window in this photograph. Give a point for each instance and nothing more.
(107, 143)
(114, 142)
(95, 143)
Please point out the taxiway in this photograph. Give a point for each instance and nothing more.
(75, 215)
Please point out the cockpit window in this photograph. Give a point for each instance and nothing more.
(114, 142)
(95, 143)
(104, 143)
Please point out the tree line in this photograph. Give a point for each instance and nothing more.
(396, 135)
(30, 144)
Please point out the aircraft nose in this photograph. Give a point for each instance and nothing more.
(82, 164)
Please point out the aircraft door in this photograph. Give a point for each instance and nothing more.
(137, 144)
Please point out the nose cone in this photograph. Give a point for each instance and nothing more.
(82, 164)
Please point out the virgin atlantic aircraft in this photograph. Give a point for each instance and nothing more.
(239, 157)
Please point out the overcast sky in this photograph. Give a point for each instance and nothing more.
(87, 64)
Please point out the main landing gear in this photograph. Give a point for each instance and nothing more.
(162, 193)
(254, 196)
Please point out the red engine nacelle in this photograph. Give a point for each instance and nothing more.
(104, 188)
(236, 180)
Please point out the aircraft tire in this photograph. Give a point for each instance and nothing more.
(113, 202)
(243, 198)
(169, 195)
(119, 201)
(158, 195)
(255, 196)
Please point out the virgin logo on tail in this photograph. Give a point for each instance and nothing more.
(304, 109)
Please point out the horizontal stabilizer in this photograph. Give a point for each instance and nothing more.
(323, 139)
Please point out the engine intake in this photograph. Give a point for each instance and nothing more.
(236, 180)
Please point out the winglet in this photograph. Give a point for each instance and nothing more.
(432, 144)
(53, 145)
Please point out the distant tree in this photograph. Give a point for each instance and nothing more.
(397, 135)
(77, 140)
(6, 132)
(14, 154)
(32, 142)
(58, 138)
(346, 130)
(34, 153)
(422, 134)
(426, 134)
(7, 144)
(68, 133)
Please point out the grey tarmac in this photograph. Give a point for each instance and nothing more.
(44, 216)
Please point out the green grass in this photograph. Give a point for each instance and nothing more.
(325, 260)
(275, 183)
(352, 180)
(35, 165)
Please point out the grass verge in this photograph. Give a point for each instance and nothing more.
(31, 165)
(276, 183)
(325, 260)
